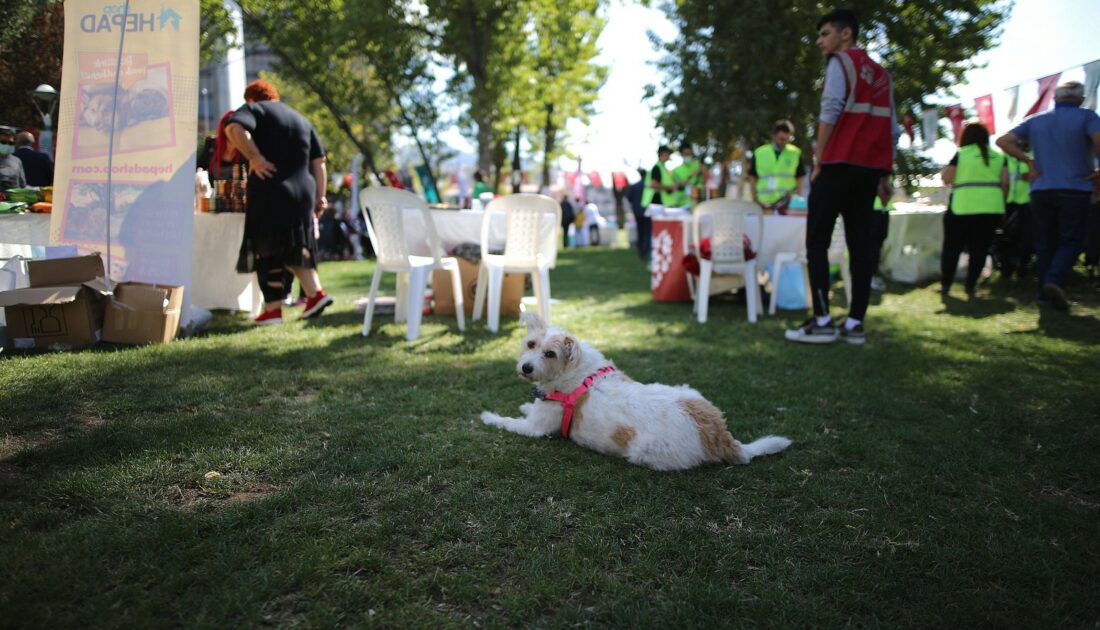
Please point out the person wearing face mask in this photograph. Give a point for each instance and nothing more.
(777, 171)
(37, 165)
(11, 167)
(688, 174)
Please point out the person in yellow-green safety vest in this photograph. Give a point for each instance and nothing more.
(978, 177)
(689, 174)
(658, 184)
(777, 171)
(1014, 247)
(880, 226)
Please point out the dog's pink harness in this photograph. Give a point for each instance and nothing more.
(568, 401)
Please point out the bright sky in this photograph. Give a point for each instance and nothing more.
(1040, 37)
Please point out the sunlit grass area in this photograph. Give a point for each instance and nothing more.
(944, 474)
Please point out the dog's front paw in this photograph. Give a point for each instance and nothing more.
(526, 408)
(490, 418)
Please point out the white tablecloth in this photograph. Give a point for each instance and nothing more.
(215, 283)
(912, 249)
(20, 232)
(216, 242)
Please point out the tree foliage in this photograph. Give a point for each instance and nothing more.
(739, 65)
(30, 55)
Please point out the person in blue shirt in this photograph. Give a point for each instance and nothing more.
(1063, 171)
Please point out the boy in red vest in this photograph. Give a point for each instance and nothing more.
(856, 133)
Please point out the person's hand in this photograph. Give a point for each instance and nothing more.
(815, 173)
(1032, 172)
(1095, 178)
(320, 205)
(261, 168)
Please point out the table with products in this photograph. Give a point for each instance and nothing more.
(216, 241)
(672, 241)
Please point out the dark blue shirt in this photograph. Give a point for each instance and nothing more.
(1064, 153)
(37, 165)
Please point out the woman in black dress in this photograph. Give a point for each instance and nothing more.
(286, 191)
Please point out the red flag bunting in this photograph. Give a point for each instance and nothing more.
(984, 105)
(1046, 93)
(955, 114)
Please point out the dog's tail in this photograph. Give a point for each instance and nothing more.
(767, 445)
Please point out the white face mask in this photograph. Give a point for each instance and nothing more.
(6, 149)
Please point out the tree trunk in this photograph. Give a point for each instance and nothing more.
(517, 173)
(550, 132)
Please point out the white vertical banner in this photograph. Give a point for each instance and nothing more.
(929, 126)
(1013, 96)
(1092, 81)
(129, 109)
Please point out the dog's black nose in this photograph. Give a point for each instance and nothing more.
(528, 368)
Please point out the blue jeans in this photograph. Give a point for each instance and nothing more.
(1060, 220)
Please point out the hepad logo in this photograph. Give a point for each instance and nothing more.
(115, 18)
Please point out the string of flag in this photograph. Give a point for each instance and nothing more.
(983, 106)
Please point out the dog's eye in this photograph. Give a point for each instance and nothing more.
(549, 354)
(530, 345)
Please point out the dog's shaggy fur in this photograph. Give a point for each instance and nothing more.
(662, 427)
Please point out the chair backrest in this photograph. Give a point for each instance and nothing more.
(727, 223)
(525, 216)
(384, 213)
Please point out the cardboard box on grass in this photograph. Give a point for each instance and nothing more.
(143, 313)
(63, 306)
(511, 292)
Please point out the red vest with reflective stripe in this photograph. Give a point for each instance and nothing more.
(862, 135)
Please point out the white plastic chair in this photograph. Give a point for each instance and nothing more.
(524, 251)
(727, 250)
(837, 247)
(386, 229)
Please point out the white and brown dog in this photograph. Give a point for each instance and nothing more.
(581, 394)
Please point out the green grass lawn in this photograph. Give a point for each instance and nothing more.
(943, 475)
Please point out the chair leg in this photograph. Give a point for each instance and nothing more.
(374, 282)
(846, 276)
(780, 259)
(460, 305)
(752, 291)
(496, 280)
(418, 280)
(702, 292)
(400, 302)
(541, 280)
(479, 292)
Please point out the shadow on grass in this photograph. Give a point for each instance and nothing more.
(979, 308)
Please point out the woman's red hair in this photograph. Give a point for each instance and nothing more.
(261, 90)
(222, 150)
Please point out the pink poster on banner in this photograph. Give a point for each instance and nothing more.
(955, 115)
(984, 105)
(1046, 94)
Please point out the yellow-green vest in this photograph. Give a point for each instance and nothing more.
(887, 208)
(666, 179)
(775, 174)
(690, 174)
(977, 187)
(1019, 188)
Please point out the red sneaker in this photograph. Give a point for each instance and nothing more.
(316, 304)
(274, 316)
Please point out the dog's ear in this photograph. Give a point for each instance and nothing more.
(533, 322)
(571, 348)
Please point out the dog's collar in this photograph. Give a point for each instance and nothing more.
(568, 401)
